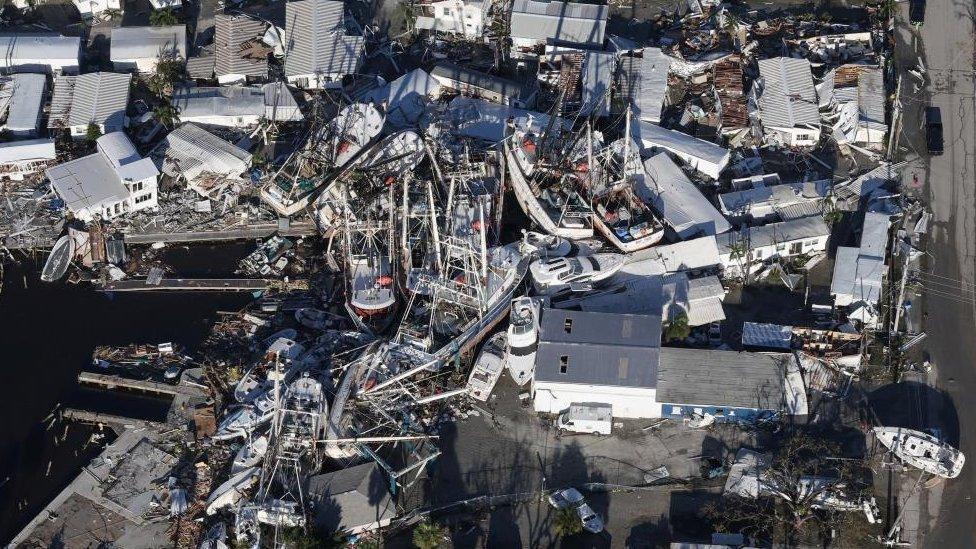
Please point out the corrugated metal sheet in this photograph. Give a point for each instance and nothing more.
(201, 67)
(98, 97)
(857, 277)
(316, 41)
(27, 97)
(559, 21)
(769, 336)
(190, 151)
(721, 378)
(598, 70)
(129, 43)
(788, 98)
(678, 200)
(231, 33)
(653, 84)
(871, 99)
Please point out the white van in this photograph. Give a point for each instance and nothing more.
(586, 417)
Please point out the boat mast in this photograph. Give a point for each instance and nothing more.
(435, 232)
(626, 142)
(484, 244)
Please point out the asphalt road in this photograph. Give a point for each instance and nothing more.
(947, 516)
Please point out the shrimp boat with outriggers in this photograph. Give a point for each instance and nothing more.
(544, 179)
(369, 266)
(328, 152)
(922, 450)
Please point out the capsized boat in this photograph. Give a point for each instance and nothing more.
(231, 491)
(250, 454)
(57, 263)
(487, 368)
(522, 337)
(241, 422)
(922, 450)
(574, 273)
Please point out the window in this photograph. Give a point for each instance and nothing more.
(143, 198)
(118, 207)
(781, 247)
(563, 364)
(445, 11)
(810, 243)
(623, 366)
(796, 247)
(568, 326)
(758, 254)
(675, 410)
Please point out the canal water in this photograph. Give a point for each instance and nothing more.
(47, 334)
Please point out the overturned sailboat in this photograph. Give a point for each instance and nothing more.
(922, 450)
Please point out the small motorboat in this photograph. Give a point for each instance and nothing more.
(57, 263)
(922, 450)
(487, 368)
(242, 422)
(577, 274)
(250, 454)
(249, 387)
(317, 319)
(523, 338)
(548, 245)
(231, 491)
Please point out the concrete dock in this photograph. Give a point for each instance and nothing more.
(154, 387)
(188, 284)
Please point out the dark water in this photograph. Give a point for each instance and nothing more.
(47, 334)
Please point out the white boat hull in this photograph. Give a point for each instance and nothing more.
(922, 450)
(627, 247)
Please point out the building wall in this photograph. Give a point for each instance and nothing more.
(457, 13)
(721, 413)
(143, 195)
(144, 65)
(80, 132)
(794, 137)
(469, 90)
(91, 8)
(316, 81)
(627, 402)
(790, 248)
(226, 121)
(47, 65)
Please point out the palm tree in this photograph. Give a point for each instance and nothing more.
(567, 523)
(428, 535)
(93, 132)
(163, 18)
(166, 114)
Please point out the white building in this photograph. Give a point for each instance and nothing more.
(140, 49)
(236, 106)
(535, 24)
(19, 159)
(787, 102)
(318, 52)
(40, 52)
(93, 8)
(98, 98)
(743, 250)
(22, 102)
(199, 157)
(112, 182)
(703, 156)
(166, 4)
(461, 17)
(677, 200)
(603, 358)
(859, 272)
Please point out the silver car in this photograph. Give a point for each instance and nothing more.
(561, 499)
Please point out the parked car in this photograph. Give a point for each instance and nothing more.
(561, 499)
(591, 521)
(933, 131)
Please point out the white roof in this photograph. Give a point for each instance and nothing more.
(874, 234)
(788, 97)
(559, 21)
(652, 84)
(191, 151)
(37, 46)
(686, 146)
(27, 149)
(871, 99)
(27, 96)
(678, 200)
(234, 101)
(97, 97)
(130, 43)
(857, 276)
(697, 253)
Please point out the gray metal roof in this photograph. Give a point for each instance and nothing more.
(599, 348)
(231, 32)
(316, 41)
(130, 43)
(652, 135)
(678, 200)
(350, 497)
(27, 149)
(202, 66)
(97, 97)
(871, 99)
(26, 100)
(774, 233)
(706, 377)
(190, 150)
(496, 84)
(874, 234)
(31, 46)
(788, 97)
(598, 70)
(86, 182)
(769, 336)
(856, 275)
(559, 22)
(653, 84)
(206, 101)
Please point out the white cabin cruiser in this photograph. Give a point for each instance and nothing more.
(241, 422)
(548, 245)
(922, 450)
(523, 338)
(574, 273)
(250, 454)
(487, 368)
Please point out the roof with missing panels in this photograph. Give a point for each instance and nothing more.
(191, 151)
(598, 348)
(721, 378)
(316, 41)
(231, 33)
(559, 21)
(97, 97)
(788, 98)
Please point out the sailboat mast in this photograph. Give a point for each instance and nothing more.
(435, 232)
